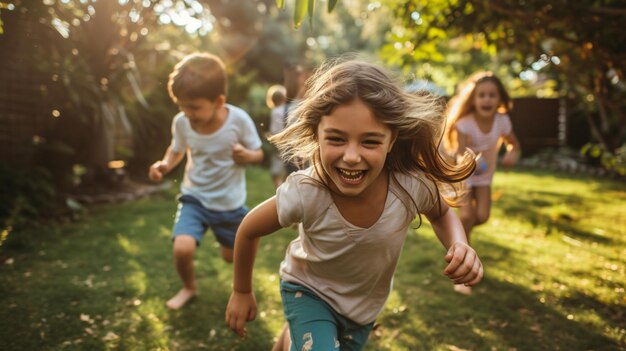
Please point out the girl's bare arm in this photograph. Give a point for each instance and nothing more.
(261, 221)
(513, 150)
(446, 225)
(462, 143)
(464, 266)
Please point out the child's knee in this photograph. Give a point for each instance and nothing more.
(184, 245)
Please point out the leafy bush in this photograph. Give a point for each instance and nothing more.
(613, 161)
(26, 195)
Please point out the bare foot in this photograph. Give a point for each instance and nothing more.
(463, 289)
(180, 299)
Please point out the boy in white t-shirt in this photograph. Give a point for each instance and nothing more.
(218, 139)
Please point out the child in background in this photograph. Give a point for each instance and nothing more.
(295, 76)
(478, 120)
(375, 165)
(218, 139)
(275, 99)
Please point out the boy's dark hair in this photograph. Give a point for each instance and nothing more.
(275, 96)
(199, 75)
(278, 98)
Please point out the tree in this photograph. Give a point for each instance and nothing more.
(578, 43)
(83, 54)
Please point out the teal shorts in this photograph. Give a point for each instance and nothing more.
(314, 325)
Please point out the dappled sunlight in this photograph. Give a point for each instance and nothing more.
(192, 16)
(269, 304)
(145, 327)
(395, 327)
(127, 245)
(140, 222)
(165, 232)
(551, 300)
(136, 278)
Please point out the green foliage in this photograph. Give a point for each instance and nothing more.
(85, 53)
(27, 195)
(331, 5)
(613, 161)
(301, 8)
(104, 67)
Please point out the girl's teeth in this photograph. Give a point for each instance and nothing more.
(350, 174)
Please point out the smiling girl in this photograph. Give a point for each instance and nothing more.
(478, 120)
(375, 166)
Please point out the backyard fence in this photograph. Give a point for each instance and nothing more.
(547, 123)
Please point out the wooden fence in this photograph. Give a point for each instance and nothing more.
(547, 123)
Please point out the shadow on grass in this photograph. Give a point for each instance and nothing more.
(428, 315)
(528, 207)
(610, 312)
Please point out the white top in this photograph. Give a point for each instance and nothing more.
(277, 124)
(211, 174)
(487, 144)
(349, 267)
(277, 119)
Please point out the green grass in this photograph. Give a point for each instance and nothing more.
(554, 253)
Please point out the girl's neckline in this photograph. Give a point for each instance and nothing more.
(368, 225)
(479, 126)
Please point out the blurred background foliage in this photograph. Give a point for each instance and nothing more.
(88, 77)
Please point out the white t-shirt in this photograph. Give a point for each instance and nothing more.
(277, 119)
(277, 124)
(211, 174)
(349, 267)
(487, 144)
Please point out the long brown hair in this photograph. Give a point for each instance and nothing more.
(417, 121)
(462, 105)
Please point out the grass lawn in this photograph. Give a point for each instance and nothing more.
(554, 252)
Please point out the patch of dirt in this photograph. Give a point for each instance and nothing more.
(114, 193)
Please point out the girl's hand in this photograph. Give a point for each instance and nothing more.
(241, 308)
(510, 158)
(464, 266)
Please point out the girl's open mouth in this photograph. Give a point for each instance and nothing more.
(351, 176)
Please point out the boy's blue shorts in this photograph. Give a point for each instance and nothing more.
(194, 219)
(315, 325)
